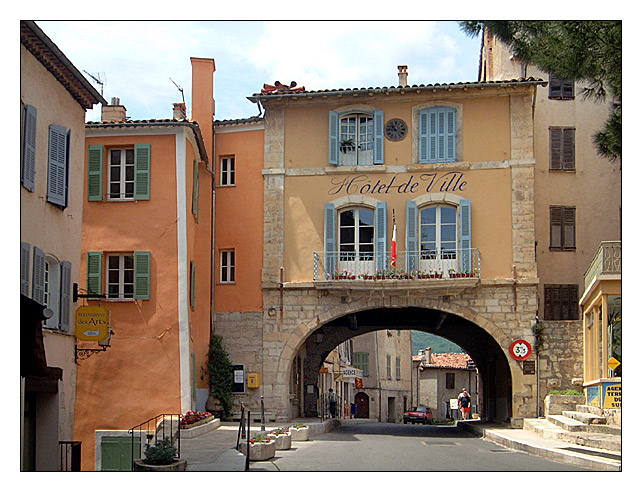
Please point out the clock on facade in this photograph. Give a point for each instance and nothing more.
(396, 129)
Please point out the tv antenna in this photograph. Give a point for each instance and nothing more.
(180, 89)
(97, 80)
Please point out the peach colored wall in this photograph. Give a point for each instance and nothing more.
(138, 376)
(239, 221)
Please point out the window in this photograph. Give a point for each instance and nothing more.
(361, 360)
(356, 138)
(562, 228)
(129, 173)
(228, 266)
(450, 380)
(398, 367)
(560, 89)
(388, 366)
(128, 275)
(561, 302)
(562, 144)
(438, 134)
(227, 171)
(28, 116)
(356, 236)
(58, 165)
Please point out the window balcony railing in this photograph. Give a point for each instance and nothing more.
(409, 265)
(607, 260)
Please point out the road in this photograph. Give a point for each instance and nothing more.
(398, 447)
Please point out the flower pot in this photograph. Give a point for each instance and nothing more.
(300, 434)
(177, 465)
(282, 441)
(198, 422)
(259, 451)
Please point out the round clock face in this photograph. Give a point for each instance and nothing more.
(396, 129)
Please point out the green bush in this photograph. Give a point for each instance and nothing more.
(565, 392)
(221, 374)
(160, 453)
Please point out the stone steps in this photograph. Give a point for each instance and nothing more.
(586, 418)
(562, 428)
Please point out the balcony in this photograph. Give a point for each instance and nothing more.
(410, 266)
(607, 261)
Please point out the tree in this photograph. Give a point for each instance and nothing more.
(588, 51)
(220, 372)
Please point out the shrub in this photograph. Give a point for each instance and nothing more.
(160, 453)
(220, 372)
(565, 392)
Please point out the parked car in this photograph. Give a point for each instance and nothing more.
(422, 415)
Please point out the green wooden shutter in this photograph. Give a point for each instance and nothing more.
(465, 236)
(38, 279)
(334, 137)
(195, 191)
(142, 274)
(94, 272)
(330, 241)
(412, 246)
(57, 169)
(65, 295)
(381, 217)
(142, 171)
(378, 137)
(25, 249)
(95, 173)
(29, 149)
(192, 285)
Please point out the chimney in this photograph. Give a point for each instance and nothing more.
(180, 111)
(114, 112)
(428, 353)
(403, 75)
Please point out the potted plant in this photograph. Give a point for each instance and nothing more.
(160, 456)
(282, 438)
(300, 432)
(346, 145)
(194, 419)
(262, 447)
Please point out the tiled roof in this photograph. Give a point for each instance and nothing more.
(444, 361)
(239, 121)
(297, 92)
(54, 60)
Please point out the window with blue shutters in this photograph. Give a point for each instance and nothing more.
(356, 138)
(437, 134)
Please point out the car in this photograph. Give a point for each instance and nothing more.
(422, 415)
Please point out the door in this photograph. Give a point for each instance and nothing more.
(117, 453)
(391, 409)
(363, 405)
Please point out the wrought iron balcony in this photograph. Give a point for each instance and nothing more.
(607, 260)
(409, 265)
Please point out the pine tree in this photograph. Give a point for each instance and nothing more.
(220, 371)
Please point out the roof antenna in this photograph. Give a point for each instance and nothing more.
(179, 88)
(97, 80)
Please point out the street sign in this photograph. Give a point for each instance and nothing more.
(520, 350)
(92, 323)
(613, 363)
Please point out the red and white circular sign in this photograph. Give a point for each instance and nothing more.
(520, 350)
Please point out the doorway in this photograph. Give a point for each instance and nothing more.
(363, 405)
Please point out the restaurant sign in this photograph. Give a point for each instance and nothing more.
(92, 323)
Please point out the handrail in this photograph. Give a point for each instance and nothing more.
(158, 431)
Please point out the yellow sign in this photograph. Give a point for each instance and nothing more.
(253, 380)
(613, 395)
(613, 363)
(92, 323)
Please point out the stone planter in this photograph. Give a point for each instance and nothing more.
(199, 423)
(300, 434)
(283, 441)
(556, 404)
(259, 451)
(177, 465)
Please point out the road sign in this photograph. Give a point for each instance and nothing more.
(613, 363)
(92, 323)
(520, 350)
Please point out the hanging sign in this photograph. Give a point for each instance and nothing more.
(520, 350)
(92, 323)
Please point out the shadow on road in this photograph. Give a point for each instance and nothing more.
(350, 432)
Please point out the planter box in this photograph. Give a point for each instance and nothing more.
(178, 465)
(259, 451)
(556, 404)
(301, 434)
(283, 441)
(200, 422)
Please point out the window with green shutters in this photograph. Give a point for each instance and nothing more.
(361, 360)
(127, 275)
(398, 367)
(128, 173)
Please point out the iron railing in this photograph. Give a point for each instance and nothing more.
(70, 455)
(408, 265)
(165, 425)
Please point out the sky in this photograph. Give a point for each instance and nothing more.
(145, 62)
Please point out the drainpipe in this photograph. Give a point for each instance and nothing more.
(376, 333)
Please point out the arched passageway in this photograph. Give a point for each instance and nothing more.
(493, 367)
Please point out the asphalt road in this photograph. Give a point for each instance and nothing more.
(399, 447)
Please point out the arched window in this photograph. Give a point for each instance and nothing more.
(356, 138)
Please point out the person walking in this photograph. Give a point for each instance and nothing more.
(333, 399)
(464, 403)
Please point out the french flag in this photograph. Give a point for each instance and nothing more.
(394, 241)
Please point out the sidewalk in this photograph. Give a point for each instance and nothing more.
(552, 449)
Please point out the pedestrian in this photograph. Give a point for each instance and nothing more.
(353, 410)
(464, 403)
(333, 399)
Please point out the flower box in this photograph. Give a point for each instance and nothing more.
(300, 433)
(197, 423)
(259, 451)
(282, 441)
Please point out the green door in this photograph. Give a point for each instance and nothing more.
(117, 453)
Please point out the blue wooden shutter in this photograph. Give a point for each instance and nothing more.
(25, 249)
(57, 172)
(412, 246)
(95, 173)
(38, 279)
(29, 149)
(450, 132)
(423, 136)
(381, 219)
(142, 171)
(465, 236)
(330, 241)
(65, 295)
(142, 274)
(334, 137)
(378, 137)
(438, 135)
(94, 272)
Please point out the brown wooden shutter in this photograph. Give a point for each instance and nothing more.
(556, 227)
(568, 149)
(568, 232)
(548, 302)
(555, 137)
